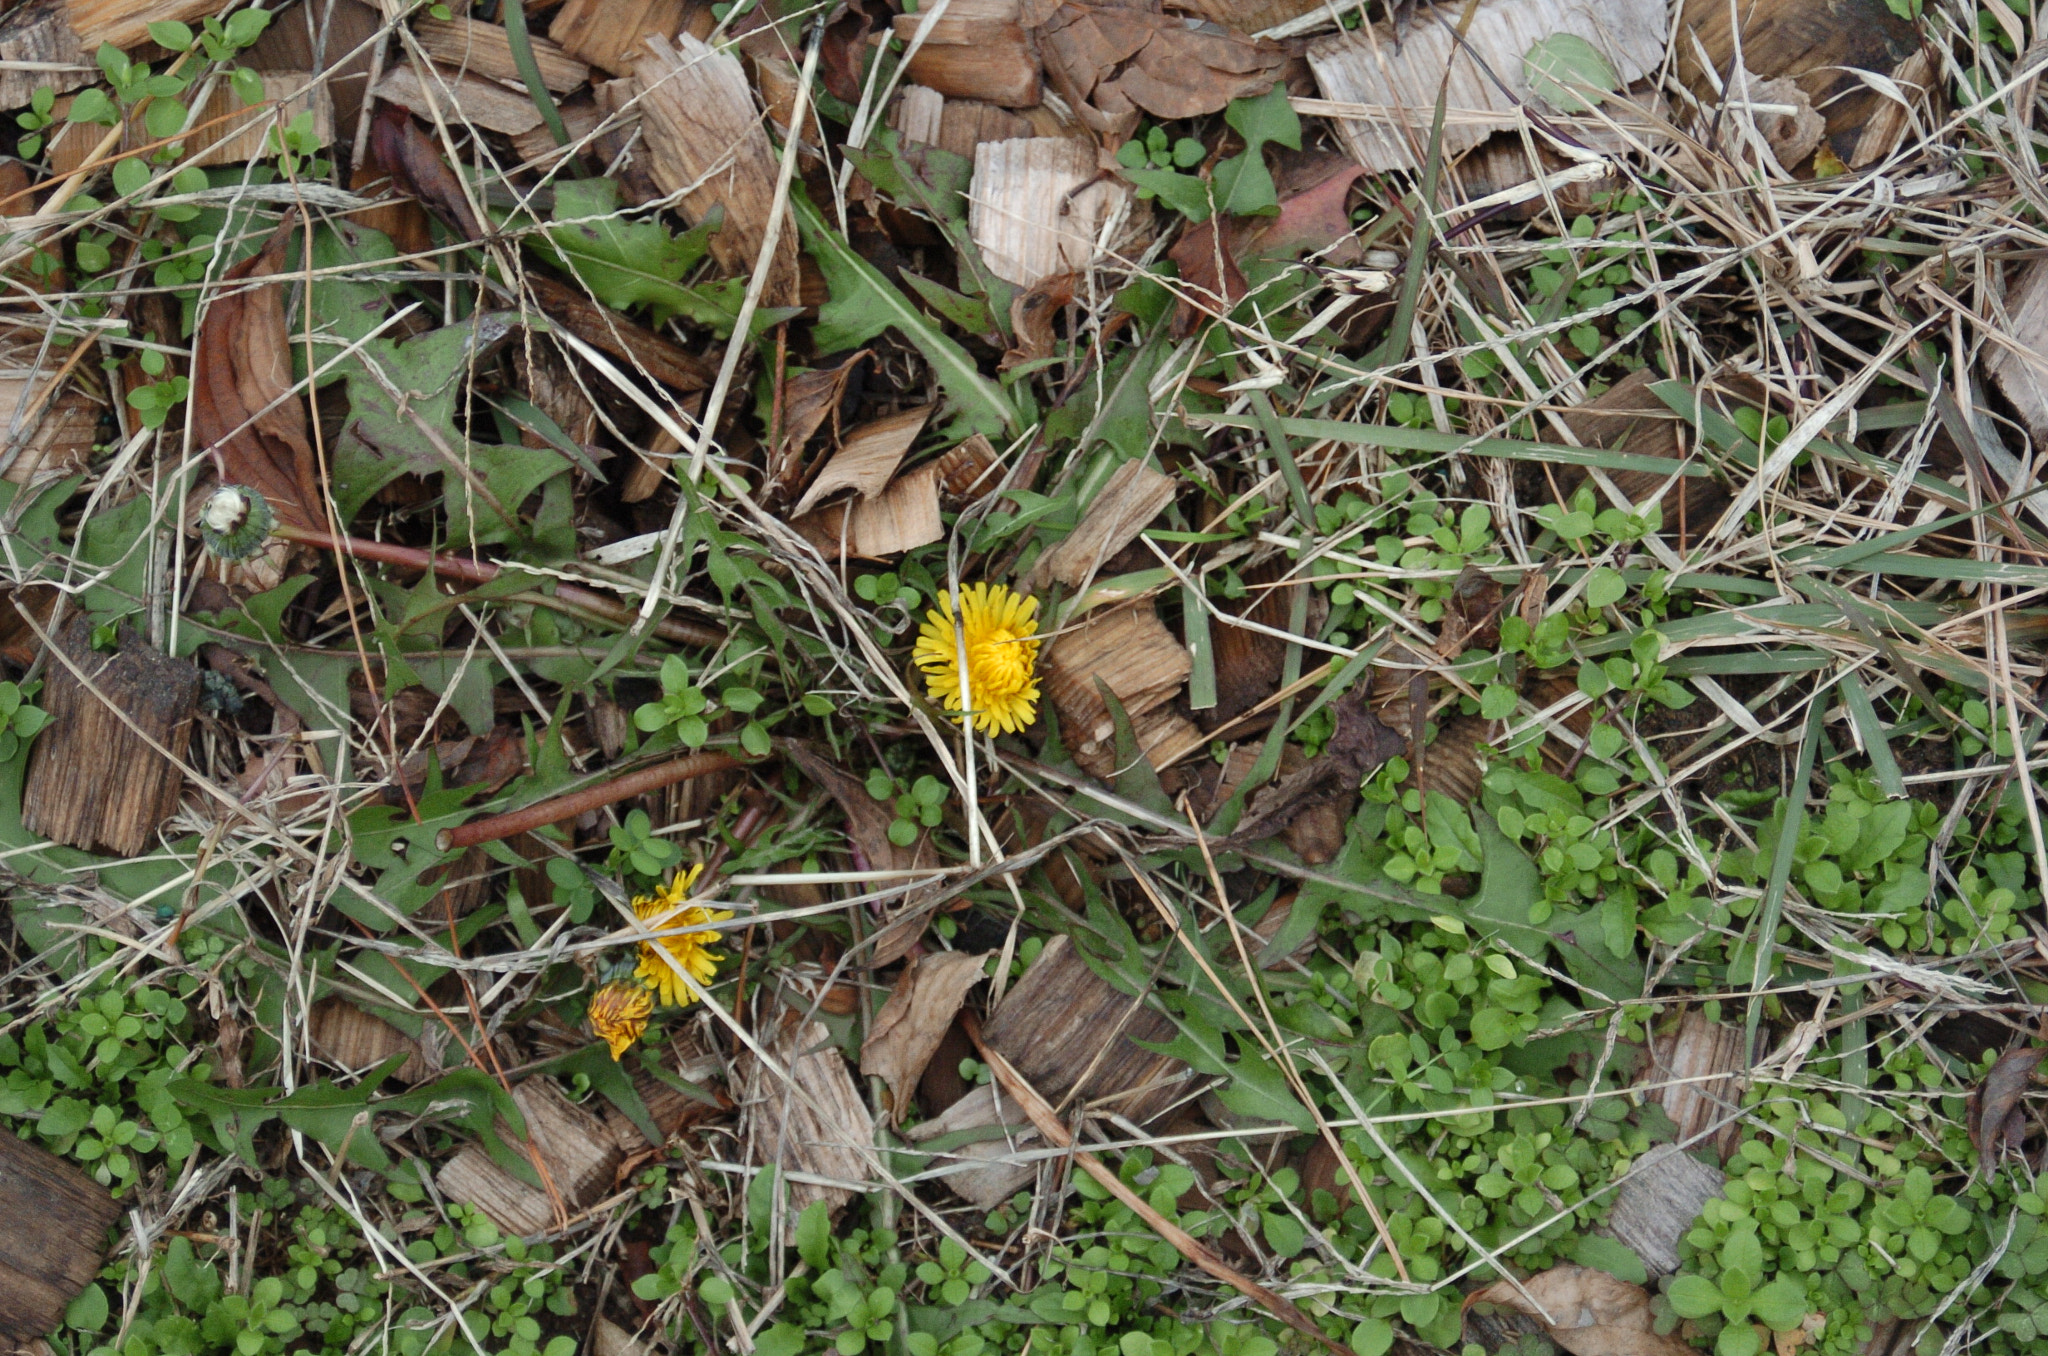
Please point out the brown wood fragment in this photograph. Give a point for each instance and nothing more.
(56, 436)
(358, 1041)
(1132, 497)
(1028, 208)
(1131, 651)
(336, 46)
(813, 1122)
(477, 48)
(1393, 86)
(1658, 1202)
(246, 138)
(37, 34)
(1629, 417)
(1250, 16)
(469, 99)
(982, 1172)
(969, 471)
(669, 1107)
(705, 135)
(54, 1240)
(94, 782)
(976, 50)
(1703, 1063)
(608, 33)
(1819, 44)
(632, 343)
(580, 1154)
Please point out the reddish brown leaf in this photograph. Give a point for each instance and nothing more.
(1214, 282)
(1031, 316)
(1312, 219)
(243, 404)
(408, 155)
(1996, 1123)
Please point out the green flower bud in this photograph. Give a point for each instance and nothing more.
(235, 522)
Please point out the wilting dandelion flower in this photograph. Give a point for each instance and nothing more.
(619, 1013)
(663, 911)
(998, 627)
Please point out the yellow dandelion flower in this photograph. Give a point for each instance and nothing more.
(619, 1013)
(1002, 656)
(664, 911)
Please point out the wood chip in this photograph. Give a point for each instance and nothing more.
(2020, 366)
(1629, 417)
(54, 1240)
(982, 1172)
(919, 114)
(460, 99)
(976, 49)
(93, 781)
(1025, 212)
(608, 33)
(1395, 87)
(670, 1107)
(814, 1123)
(57, 437)
(1131, 651)
(477, 48)
(38, 35)
(1132, 497)
(1708, 1057)
(867, 457)
(1158, 732)
(912, 1023)
(1251, 16)
(580, 1154)
(287, 93)
(969, 471)
(358, 1041)
(337, 47)
(1658, 1202)
(1820, 44)
(705, 134)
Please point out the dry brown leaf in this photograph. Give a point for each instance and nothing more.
(244, 406)
(808, 400)
(1032, 313)
(416, 167)
(1113, 64)
(914, 1020)
(867, 457)
(1586, 1311)
(1996, 1122)
(1358, 745)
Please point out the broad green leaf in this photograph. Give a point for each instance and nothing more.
(1694, 1296)
(864, 303)
(1568, 73)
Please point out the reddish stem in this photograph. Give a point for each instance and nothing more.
(553, 811)
(673, 630)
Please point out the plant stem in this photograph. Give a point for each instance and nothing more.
(529, 70)
(573, 597)
(540, 814)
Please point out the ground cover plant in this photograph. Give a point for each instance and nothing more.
(1049, 679)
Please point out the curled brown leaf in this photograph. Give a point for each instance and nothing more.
(416, 167)
(244, 405)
